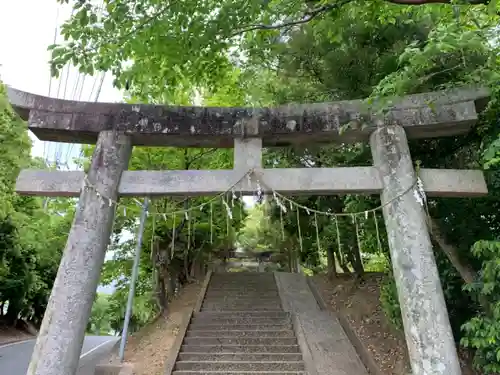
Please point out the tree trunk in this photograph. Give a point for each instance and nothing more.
(332, 271)
(172, 285)
(161, 261)
(465, 271)
(341, 261)
(358, 261)
(15, 306)
(162, 297)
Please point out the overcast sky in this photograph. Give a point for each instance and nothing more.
(27, 28)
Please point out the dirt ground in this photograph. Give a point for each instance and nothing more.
(9, 335)
(148, 349)
(359, 303)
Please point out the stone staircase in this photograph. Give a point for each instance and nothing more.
(240, 330)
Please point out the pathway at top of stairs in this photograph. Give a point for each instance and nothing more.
(241, 329)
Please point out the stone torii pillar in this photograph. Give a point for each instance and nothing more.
(59, 342)
(427, 328)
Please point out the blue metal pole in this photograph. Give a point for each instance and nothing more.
(135, 269)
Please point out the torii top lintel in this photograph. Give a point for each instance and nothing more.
(428, 115)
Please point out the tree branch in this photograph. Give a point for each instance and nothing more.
(464, 270)
(200, 155)
(308, 16)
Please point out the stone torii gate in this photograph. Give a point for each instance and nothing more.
(115, 128)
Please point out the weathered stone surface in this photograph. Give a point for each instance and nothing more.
(61, 335)
(247, 154)
(242, 327)
(280, 372)
(209, 366)
(290, 181)
(450, 113)
(194, 332)
(276, 357)
(426, 324)
(240, 349)
(324, 344)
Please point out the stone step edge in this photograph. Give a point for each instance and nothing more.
(215, 372)
(283, 313)
(220, 337)
(250, 323)
(240, 354)
(245, 322)
(222, 372)
(278, 322)
(225, 309)
(238, 338)
(252, 346)
(243, 330)
(242, 297)
(252, 327)
(241, 362)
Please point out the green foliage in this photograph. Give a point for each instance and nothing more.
(390, 303)
(260, 232)
(16, 147)
(99, 322)
(31, 239)
(482, 332)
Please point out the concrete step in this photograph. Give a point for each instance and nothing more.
(249, 276)
(249, 280)
(239, 294)
(242, 281)
(212, 318)
(242, 305)
(202, 372)
(241, 327)
(244, 301)
(244, 273)
(241, 298)
(237, 334)
(236, 298)
(245, 357)
(240, 308)
(271, 286)
(242, 288)
(242, 293)
(271, 341)
(240, 366)
(241, 314)
(240, 349)
(238, 320)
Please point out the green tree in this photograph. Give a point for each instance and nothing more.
(32, 239)
(99, 322)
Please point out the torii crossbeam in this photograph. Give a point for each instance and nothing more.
(117, 127)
